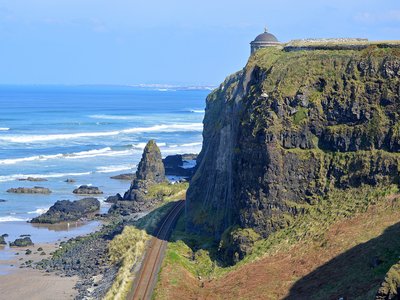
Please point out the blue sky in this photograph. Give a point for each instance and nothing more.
(158, 41)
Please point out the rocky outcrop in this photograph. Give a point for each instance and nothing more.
(150, 172)
(33, 179)
(22, 242)
(25, 190)
(65, 211)
(287, 129)
(87, 190)
(114, 199)
(2, 240)
(128, 176)
(175, 165)
(151, 167)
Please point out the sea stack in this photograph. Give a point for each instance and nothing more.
(151, 167)
(150, 171)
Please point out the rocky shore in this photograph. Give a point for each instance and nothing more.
(88, 256)
(65, 211)
(87, 190)
(26, 190)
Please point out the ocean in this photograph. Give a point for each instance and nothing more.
(85, 133)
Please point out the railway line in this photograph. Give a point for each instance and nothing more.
(146, 279)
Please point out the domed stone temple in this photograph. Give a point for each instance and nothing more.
(264, 40)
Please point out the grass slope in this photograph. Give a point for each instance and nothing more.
(341, 246)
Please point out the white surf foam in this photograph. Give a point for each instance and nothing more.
(114, 168)
(38, 211)
(51, 175)
(67, 136)
(198, 111)
(4, 129)
(76, 155)
(11, 219)
(191, 144)
(113, 117)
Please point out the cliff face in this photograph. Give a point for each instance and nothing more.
(287, 129)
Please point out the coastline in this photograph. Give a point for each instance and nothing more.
(20, 281)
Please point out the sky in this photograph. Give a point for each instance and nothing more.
(180, 42)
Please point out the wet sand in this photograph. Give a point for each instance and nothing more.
(36, 285)
(17, 281)
(20, 282)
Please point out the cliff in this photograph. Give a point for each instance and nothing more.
(287, 130)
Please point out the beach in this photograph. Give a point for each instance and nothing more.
(19, 282)
(60, 138)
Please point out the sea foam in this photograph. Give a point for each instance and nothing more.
(114, 168)
(38, 211)
(11, 219)
(107, 151)
(4, 129)
(103, 152)
(68, 136)
(51, 175)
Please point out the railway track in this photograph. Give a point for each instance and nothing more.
(147, 277)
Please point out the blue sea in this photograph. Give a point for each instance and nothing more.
(85, 133)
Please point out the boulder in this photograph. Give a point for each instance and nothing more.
(128, 176)
(2, 240)
(65, 210)
(33, 179)
(22, 242)
(25, 190)
(175, 165)
(2, 200)
(69, 180)
(87, 190)
(114, 199)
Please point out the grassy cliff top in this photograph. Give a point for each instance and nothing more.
(341, 42)
(288, 72)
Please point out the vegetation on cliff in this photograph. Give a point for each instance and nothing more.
(288, 129)
(341, 246)
(294, 144)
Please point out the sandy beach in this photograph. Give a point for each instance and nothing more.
(36, 285)
(20, 282)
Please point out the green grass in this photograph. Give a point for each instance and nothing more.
(128, 247)
(312, 225)
(300, 115)
(197, 254)
(125, 250)
(168, 191)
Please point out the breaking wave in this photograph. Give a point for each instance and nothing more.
(67, 136)
(38, 211)
(51, 175)
(114, 168)
(103, 152)
(12, 219)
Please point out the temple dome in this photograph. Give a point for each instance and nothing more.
(264, 40)
(266, 37)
